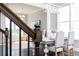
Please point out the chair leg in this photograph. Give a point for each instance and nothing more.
(62, 53)
(72, 52)
(68, 52)
(55, 53)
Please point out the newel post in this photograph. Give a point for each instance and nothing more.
(6, 41)
(38, 39)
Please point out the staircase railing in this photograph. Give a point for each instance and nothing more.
(14, 18)
(22, 26)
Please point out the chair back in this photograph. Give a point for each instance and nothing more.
(71, 38)
(59, 39)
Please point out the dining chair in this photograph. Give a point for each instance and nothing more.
(59, 43)
(70, 46)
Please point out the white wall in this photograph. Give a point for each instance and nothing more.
(40, 15)
(53, 21)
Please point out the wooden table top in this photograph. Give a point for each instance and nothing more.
(47, 42)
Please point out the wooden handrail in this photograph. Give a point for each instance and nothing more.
(13, 17)
(2, 30)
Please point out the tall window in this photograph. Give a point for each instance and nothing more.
(63, 20)
(75, 20)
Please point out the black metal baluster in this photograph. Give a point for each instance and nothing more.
(2, 44)
(6, 41)
(20, 42)
(28, 46)
(10, 38)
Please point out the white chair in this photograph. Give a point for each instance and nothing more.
(70, 44)
(59, 43)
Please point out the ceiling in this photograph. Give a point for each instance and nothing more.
(22, 8)
(28, 9)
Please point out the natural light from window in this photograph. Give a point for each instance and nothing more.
(64, 23)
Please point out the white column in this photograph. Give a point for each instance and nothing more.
(48, 20)
(70, 18)
(50, 10)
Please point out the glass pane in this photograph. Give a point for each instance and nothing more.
(64, 27)
(63, 14)
(15, 40)
(24, 41)
(2, 45)
(3, 21)
(75, 28)
(32, 46)
(74, 11)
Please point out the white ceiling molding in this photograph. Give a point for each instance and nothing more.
(59, 5)
(40, 5)
(45, 6)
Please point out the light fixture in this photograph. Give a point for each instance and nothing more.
(22, 16)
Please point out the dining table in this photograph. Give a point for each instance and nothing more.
(47, 42)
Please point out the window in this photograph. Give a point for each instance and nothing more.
(63, 14)
(64, 27)
(75, 20)
(63, 20)
(75, 28)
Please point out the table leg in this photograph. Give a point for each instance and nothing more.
(46, 50)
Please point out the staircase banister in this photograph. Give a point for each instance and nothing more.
(2, 30)
(13, 17)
